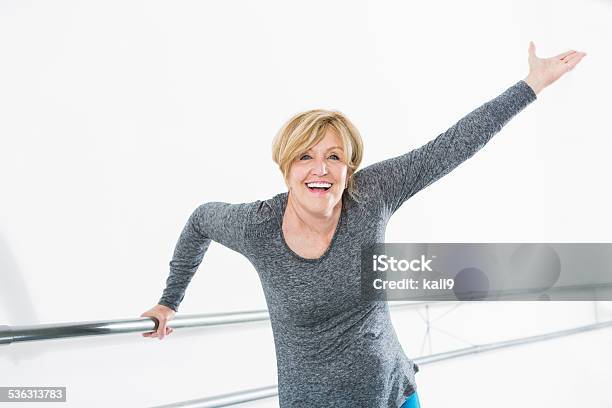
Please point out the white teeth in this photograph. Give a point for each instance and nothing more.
(323, 185)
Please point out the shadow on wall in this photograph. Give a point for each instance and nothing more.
(15, 299)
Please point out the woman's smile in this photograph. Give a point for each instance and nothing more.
(319, 188)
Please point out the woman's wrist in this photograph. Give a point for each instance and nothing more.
(534, 84)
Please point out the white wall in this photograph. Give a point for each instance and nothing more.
(118, 118)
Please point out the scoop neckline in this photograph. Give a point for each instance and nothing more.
(283, 207)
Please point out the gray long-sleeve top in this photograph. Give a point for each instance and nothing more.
(334, 349)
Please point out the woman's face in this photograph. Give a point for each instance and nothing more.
(323, 163)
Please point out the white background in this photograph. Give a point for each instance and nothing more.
(118, 118)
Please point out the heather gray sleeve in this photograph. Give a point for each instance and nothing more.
(391, 182)
(220, 222)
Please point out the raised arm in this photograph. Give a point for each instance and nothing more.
(394, 180)
(215, 221)
(391, 182)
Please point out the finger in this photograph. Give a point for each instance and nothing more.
(162, 329)
(565, 54)
(574, 61)
(531, 48)
(572, 57)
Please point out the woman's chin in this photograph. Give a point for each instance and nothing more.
(322, 203)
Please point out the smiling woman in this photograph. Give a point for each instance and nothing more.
(333, 347)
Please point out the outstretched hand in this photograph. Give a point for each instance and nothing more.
(545, 71)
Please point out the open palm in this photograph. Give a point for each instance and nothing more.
(545, 71)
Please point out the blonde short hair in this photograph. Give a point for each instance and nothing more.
(306, 129)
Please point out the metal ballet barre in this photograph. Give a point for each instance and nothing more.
(39, 332)
(14, 334)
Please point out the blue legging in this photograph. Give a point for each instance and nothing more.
(412, 401)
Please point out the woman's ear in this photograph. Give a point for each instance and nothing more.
(349, 174)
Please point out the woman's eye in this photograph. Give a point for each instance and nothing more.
(306, 156)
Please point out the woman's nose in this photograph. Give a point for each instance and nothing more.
(320, 168)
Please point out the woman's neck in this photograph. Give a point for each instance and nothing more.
(297, 217)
